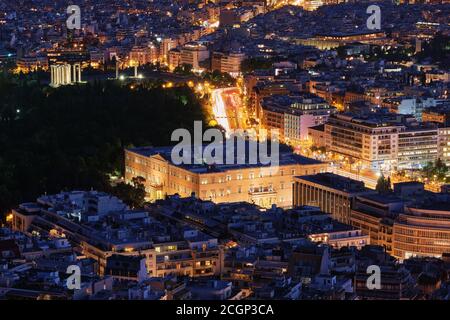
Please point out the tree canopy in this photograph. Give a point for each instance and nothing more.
(383, 184)
(73, 137)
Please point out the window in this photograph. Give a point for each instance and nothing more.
(228, 178)
(251, 175)
(239, 176)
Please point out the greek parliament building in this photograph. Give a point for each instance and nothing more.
(407, 222)
(261, 184)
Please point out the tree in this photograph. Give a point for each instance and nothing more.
(251, 64)
(132, 194)
(185, 69)
(437, 170)
(383, 185)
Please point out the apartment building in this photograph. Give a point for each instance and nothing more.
(174, 58)
(382, 141)
(255, 183)
(197, 255)
(444, 145)
(292, 115)
(193, 54)
(439, 114)
(144, 54)
(227, 63)
(141, 240)
(407, 222)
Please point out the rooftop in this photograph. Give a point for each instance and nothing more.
(335, 181)
(286, 157)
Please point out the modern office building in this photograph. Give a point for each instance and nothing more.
(142, 55)
(417, 146)
(292, 115)
(193, 54)
(227, 63)
(334, 194)
(440, 114)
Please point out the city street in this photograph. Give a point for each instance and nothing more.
(226, 107)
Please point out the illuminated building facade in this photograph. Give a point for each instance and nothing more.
(444, 145)
(227, 63)
(262, 185)
(374, 214)
(332, 193)
(417, 147)
(64, 74)
(30, 64)
(440, 114)
(372, 142)
(184, 258)
(144, 54)
(423, 230)
(193, 54)
(382, 142)
(292, 115)
(339, 239)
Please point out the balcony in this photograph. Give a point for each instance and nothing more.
(262, 192)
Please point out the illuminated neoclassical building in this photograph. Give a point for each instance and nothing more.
(255, 183)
